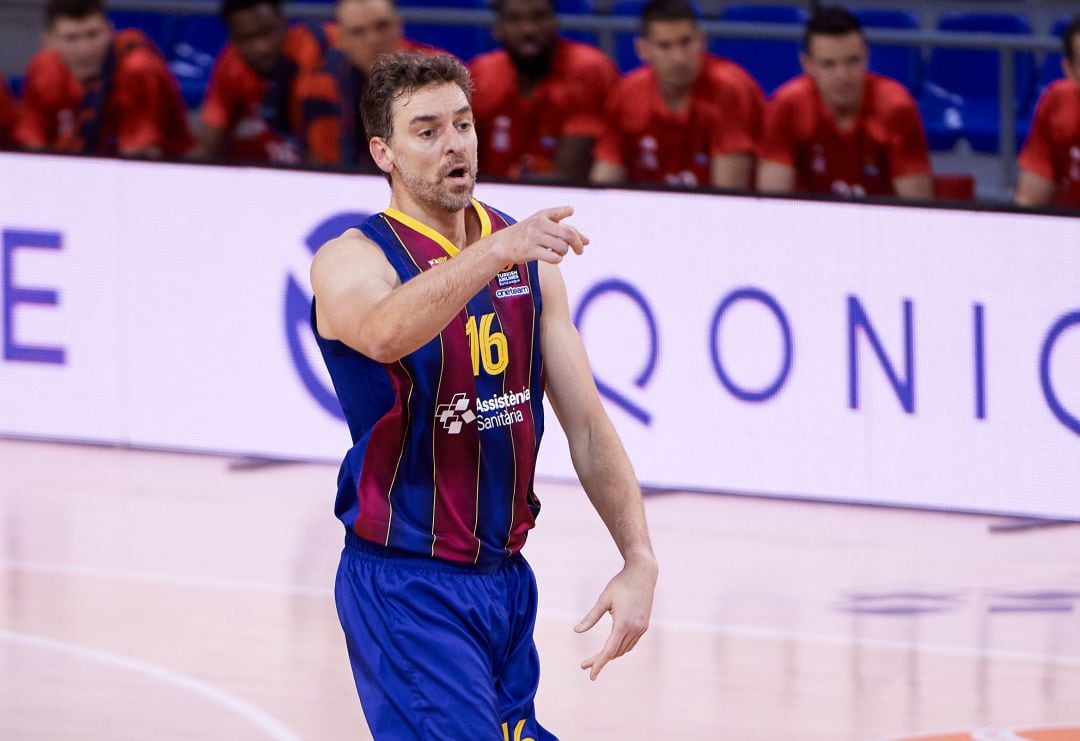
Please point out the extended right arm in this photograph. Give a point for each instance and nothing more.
(360, 301)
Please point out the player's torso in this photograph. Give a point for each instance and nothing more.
(447, 468)
(1064, 123)
(674, 147)
(849, 161)
(518, 130)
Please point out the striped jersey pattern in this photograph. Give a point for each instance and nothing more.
(445, 439)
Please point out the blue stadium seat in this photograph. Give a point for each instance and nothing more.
(199, 40)
(464, 42)
(902, 63)
(772, 62)
(626, 57)
(960, 96)
(578, 7)
(159, 27)
(1051, 66)
(15, 85)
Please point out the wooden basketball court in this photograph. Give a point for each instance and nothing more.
(168, 596)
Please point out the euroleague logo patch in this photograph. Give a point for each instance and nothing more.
(297, 315)
(509, 281)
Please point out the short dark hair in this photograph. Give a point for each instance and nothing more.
(56, 9)
(668, 10)
(402, 73)
(498, 6)
(229, 7)
(831, 20)
(1071, 32)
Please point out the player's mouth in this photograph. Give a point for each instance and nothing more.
(458, 175)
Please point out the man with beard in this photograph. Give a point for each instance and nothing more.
(333, 130)
(684, 118)
(96, 90)
(1050, 159)
(840, 129)
(430, 320)
(539, 101)
(251, 111)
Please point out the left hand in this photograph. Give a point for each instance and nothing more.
(628, 597)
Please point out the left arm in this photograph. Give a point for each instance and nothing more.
(910, 153)
(573, 158)
(914, 186)
(140, 100)
(605, 473)
(732, 171)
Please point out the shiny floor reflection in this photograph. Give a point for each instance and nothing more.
(180, 597)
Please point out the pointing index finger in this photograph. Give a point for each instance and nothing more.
(558, 213)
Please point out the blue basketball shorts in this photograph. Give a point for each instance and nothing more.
(440, 651)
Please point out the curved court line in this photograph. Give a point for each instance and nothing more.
(688, 626)
(272, 726)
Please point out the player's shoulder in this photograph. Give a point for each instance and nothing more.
(352, 244)
(496, 61)
(889, 94)
(1061, 93)
(47, 63)
(499, 215)
(492, 72)
(230, 66)
(725, 71)
(635, 83)
(795, 93)
(577, 55)
(136, 54)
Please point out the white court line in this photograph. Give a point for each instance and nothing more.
(686, 626)
(272, 726)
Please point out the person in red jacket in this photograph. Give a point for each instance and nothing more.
(99, 91)
(840, 129)
(684, 118)
(1050, 159)
(539, 100)
(332, 131)
(251, 110)
(8, 113)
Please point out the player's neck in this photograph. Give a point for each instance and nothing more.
(845, 116)
(676, 99)
(450, 224)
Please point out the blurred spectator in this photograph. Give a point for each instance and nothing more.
(1050, 159)
(8, 112)
(538, 101)
(95, 90)
(251, 111)
(839, 128)
(333, 132)
(684, 118)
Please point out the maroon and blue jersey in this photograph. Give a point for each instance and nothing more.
(445, 439)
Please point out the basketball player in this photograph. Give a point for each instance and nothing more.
(442, 324)
(1050, 159)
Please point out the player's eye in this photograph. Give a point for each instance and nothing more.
(464, 125)
(426, 133)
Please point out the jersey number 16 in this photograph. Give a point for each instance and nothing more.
(486, 347)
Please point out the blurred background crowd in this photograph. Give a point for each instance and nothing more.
(908, 100)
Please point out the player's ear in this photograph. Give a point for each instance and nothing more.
(804, 60)
(381, 153)
(641, 48)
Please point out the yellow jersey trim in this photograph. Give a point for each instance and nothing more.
(436, 236)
